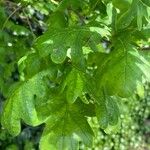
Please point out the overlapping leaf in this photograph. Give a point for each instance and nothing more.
(39, 100)
(65, 124)
(140, 10)
(107, 111)
(121, 69)
(106, 106)
(21, 104)
(57, 41)
(74, 85)
(35, 103)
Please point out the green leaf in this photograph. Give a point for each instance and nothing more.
(57, 20)
(146, 2)
(122, 5)
(107, 110)
(31, 64)
(63, 143)
(57, 41)
(58, 56)
(141, 12)
(21, 103)
(65, 124)
(74, 85)
(64, 4)
(121, 70)
(102, 115)
(106, 106)
(138, 11)
(77, 56)
(79, 68)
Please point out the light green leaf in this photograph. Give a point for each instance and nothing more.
(74, 85)
(55, 41)
(138, 10)
(21, 103)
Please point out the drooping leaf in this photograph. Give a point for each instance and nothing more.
(107, 111)
(21, 104)
(74, 85)
(121, 70)
(106, 106)
(138, 11)
(65, 124)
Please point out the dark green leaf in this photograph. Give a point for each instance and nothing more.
(65, 123)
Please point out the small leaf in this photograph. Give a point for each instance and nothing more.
(107, 111)
(57, 20)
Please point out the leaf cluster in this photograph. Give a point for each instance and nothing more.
(88, 59)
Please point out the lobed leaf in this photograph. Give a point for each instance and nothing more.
(74, 85)
(64, 125)
(57, 41)
(21, 103)
(121, 70)
(139, 10)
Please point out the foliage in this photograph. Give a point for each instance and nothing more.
(91, 56)
(133, 133)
